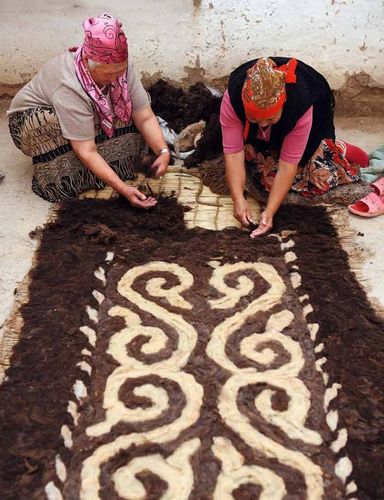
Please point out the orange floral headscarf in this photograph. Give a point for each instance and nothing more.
(263, 92)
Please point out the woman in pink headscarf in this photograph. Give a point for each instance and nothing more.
(86, 119)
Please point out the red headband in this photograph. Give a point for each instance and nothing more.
(254, 112)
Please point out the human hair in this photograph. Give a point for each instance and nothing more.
(93, 64)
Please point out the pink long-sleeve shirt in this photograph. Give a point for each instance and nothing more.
(293, 145)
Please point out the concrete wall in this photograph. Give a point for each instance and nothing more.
(192, 39)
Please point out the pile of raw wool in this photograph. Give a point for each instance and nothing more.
(181, 109)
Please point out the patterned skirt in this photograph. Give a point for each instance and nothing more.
(327, 168)
(58, 173)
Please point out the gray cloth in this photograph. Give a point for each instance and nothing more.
(56, 85)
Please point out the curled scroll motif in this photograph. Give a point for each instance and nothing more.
(234, 418)
(176, 471)
(90, 474)
(220, 335)
(156, 397)
(265, 356)
(117, 412)
(187, 335)
(286, 377)
(234, 473)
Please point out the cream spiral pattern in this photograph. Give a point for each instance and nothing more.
(291, 421)
(170, 369)
(275, 373)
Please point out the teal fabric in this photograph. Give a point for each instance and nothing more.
(376, 166)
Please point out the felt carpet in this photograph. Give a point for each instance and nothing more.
(157, 361)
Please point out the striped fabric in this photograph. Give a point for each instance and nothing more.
(58, 173)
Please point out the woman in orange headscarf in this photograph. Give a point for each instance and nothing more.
(277, 120)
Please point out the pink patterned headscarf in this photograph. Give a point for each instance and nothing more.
(105, 43)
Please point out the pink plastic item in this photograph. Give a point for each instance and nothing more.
(370, 206)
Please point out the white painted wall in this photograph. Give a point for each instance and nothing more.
(338, 37)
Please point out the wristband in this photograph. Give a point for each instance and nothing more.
(163, 151)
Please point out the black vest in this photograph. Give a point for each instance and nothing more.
(310, 89)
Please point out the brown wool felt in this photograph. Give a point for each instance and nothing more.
(44, 365)
(181, 108)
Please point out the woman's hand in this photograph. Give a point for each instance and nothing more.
(138, 199)
(160, 165)
(265, 225)
(88, 154)
(148, 125)
(241, 211)
(282, 183)
(235, 175)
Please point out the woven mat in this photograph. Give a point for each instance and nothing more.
(160, 359)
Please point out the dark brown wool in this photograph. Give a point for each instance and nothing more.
(39, 384)
(180, 108)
